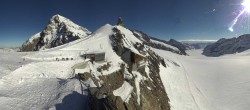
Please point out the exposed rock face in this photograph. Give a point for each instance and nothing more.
(228, 46)
(155, 98)
(102, 98)
(148, 40)
(30, 44)
(59, 31)
(117, 42)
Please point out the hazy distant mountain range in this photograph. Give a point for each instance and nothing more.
(228, 46)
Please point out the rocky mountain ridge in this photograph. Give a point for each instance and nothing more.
(228, 46)
(171, 45)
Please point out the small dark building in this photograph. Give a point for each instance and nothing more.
(135, 58)
(94, 56)
(130, 57)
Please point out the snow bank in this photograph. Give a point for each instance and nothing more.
(124, 91)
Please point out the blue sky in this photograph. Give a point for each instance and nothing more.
(165, 19)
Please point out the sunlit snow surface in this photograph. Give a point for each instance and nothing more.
(208, 83)
(27, 84)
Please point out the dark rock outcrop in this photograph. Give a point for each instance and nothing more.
(30, 46)
(102, 98)
(120, 22)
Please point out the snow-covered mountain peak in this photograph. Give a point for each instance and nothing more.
(228, 46)
(104, 29)
(58, 19)
(59, 31)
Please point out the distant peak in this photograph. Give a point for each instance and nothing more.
(58, 18)
(120, 22)
(172, 40)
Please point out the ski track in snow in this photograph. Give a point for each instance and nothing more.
(189, 87)
(216, 83)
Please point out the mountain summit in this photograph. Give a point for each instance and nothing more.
(120, 22)
(59, 31)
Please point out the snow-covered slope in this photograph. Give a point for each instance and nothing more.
(10, 60)
(228, 46)
(207, 83)
(181, 88)
(28, 84)
(59, 31)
